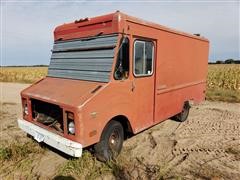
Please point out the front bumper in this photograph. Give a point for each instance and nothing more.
(42, 135)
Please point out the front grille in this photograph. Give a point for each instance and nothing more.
(50, 115)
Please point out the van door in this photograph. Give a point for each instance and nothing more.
(143, 82)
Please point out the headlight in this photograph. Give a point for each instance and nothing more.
(25, 109)
(71, 127)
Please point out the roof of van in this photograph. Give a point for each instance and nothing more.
(64, 31)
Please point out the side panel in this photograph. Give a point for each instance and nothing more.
(180, 69)
(181, 73)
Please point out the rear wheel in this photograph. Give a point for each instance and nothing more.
(182, 116)
(111, 142)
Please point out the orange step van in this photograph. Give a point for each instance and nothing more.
(112, 76)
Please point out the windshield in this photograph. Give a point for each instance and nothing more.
(88, 59)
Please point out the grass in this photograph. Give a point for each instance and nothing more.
(17, 160)
(16, 151)
(86, 167)
(225, 95)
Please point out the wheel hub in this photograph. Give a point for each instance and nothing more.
(113, 140)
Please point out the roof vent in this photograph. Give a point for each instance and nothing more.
(197, 34)
(82, 20)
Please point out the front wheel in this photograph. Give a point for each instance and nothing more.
(111, 142)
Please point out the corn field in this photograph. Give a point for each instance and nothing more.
(22, 74)
(225, 76)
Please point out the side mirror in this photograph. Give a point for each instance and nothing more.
(125, 40)
(118, 74)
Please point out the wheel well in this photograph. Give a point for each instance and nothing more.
(126, 125)
(187, 103)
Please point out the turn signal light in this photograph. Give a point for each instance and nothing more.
(70, 116)
(25, 107)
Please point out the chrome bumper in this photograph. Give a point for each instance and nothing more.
(42, 135)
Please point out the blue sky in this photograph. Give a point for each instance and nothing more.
(27, 26)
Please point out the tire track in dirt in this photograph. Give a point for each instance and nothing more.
(222, 122)
(209, 141)
(206, 145)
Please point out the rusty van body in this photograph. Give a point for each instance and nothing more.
(112, 75)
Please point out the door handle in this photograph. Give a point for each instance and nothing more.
(133, 86)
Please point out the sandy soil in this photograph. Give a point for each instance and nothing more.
(206, 146)
(45, 165)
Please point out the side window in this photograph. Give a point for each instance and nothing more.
(122, 66)
(143, 58)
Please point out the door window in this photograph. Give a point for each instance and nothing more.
(143, 58)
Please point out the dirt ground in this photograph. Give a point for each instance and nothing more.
(206, 146)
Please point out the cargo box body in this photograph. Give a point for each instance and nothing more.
(81, 80)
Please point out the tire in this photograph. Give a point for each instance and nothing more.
(182, 116)
(29, 136)
(111, 142)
